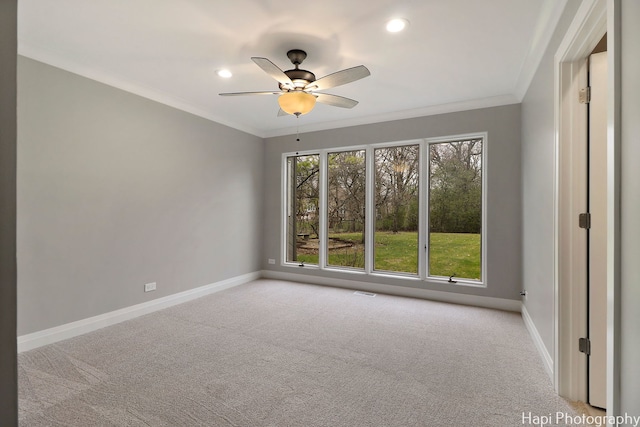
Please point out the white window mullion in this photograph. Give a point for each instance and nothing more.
(369, 211)
(485, 206)
(423, 222)
(284, 209)
(322, 241)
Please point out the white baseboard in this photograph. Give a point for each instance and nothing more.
(537, 340)
(73, 329)
(451, 297)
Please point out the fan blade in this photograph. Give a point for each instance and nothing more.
(250, 93)
(273, 70)
(339, 78)
(281, 113)
(335, 100)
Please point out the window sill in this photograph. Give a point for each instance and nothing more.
(392, 275)
(388, 275)
(304, 266)
(460, 282)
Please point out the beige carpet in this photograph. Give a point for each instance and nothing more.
(273, 353)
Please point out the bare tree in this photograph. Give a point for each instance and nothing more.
(455, 186)
(346, 190)
(397, 183)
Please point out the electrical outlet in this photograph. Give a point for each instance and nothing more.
(272, 261)
(150, 287)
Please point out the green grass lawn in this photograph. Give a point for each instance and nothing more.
(346, 257)
(451, 253)
(396, 252)
(455, 253)
(308, 259)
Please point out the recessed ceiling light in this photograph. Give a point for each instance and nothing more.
(396, 25)
(225, 74)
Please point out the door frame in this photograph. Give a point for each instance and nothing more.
(593, 19)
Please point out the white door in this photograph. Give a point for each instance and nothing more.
(598, 230)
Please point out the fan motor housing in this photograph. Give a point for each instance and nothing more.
(297, 75)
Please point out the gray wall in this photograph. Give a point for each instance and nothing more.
(630, 208)
(538, 188)
(115, 191)
(8, 367)
(503, 189)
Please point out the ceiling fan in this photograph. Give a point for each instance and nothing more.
(298, 88)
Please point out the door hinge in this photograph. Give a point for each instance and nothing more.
(584, 345)
(584, 96)
(584, 220)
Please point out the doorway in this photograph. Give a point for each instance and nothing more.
(593, 19)
(582, 230)
(596, 340)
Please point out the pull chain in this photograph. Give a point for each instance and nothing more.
(298, 127)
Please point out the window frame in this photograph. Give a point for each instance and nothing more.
(372, 206)
(324, 184)
(423, 211)
(483, 238)
(284, 208)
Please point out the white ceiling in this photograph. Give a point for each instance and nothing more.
(455, 54)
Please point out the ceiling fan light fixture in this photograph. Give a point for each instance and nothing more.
(297, 102)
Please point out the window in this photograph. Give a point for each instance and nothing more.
(303, 221)
(346, 180)
(455, 209)
(409, 208)
(397, 209)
